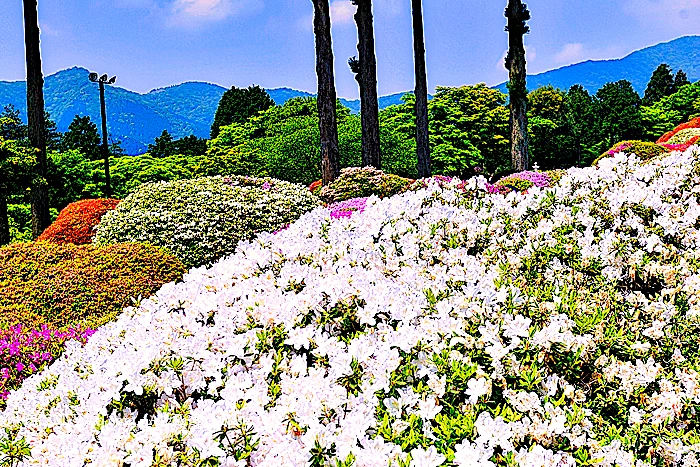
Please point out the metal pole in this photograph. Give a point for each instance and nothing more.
(105, 148)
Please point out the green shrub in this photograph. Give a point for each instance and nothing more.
(642, 149)
(360, 182)
(78, 285)
(202, 220)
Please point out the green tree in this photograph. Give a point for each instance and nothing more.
(82, 135)
(582, 118)
(190, 146)
(12, 127)
(549, 132)
(163, 146)
(72, 176)
(470, 124)
(17, 164)
(680, 80)
(619, 112)
(670, 111)
(239, 104)
(660, 85)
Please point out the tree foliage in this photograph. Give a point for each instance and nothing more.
(239, 104)
(619, 112)
(660, 85)
(82, 136)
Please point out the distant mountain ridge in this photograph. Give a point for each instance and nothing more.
(637, 67)
(137, 119)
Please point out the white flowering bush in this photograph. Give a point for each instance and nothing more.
(202, 220)
(442, 327)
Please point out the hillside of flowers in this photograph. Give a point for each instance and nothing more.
(447, 326)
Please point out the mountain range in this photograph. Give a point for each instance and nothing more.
(137, 119)
(637, 67)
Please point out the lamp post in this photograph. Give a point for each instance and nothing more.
(105, 150)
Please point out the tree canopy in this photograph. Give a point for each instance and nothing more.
(239, 104)
(82, 135)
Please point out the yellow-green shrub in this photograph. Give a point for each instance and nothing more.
(71, 285)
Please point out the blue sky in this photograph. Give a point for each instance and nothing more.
(155, 43)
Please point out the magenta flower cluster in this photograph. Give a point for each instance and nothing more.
(348, 208)
(24, 352)
(619, 148)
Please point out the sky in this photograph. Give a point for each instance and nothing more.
(155, 43)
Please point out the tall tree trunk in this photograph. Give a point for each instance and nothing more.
(327, 118)
(422, 141)
(35, 117)
(4, 221)
(371, 152)
(517, 14)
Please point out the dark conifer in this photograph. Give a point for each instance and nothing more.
(517, 14)
(326, 100)
(422, 141)
(369, 103)
(35, 118)
(660, 85)
(680, 80)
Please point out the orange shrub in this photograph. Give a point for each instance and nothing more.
(316, 186)
(78, 285)
(694, 123)
(76, 223)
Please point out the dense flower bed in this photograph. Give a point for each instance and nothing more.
(72, 285)
(362, 182)
(443, 326)
(76, 223)
(24, 352)
(202, 220)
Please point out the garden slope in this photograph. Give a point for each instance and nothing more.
(450, 325)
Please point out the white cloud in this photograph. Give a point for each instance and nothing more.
(342, 12)
(664, 13)
(195, 12)
(570, 53)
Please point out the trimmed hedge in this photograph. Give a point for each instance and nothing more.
(642, 149)
(77, 222)
(202, 220)
(362, 182)
(78, 285)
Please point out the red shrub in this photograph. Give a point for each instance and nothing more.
(76, 223)
(316, 186)
(694, 123)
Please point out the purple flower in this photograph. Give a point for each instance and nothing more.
(266, 186)
(348, 208)
(19, 366)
